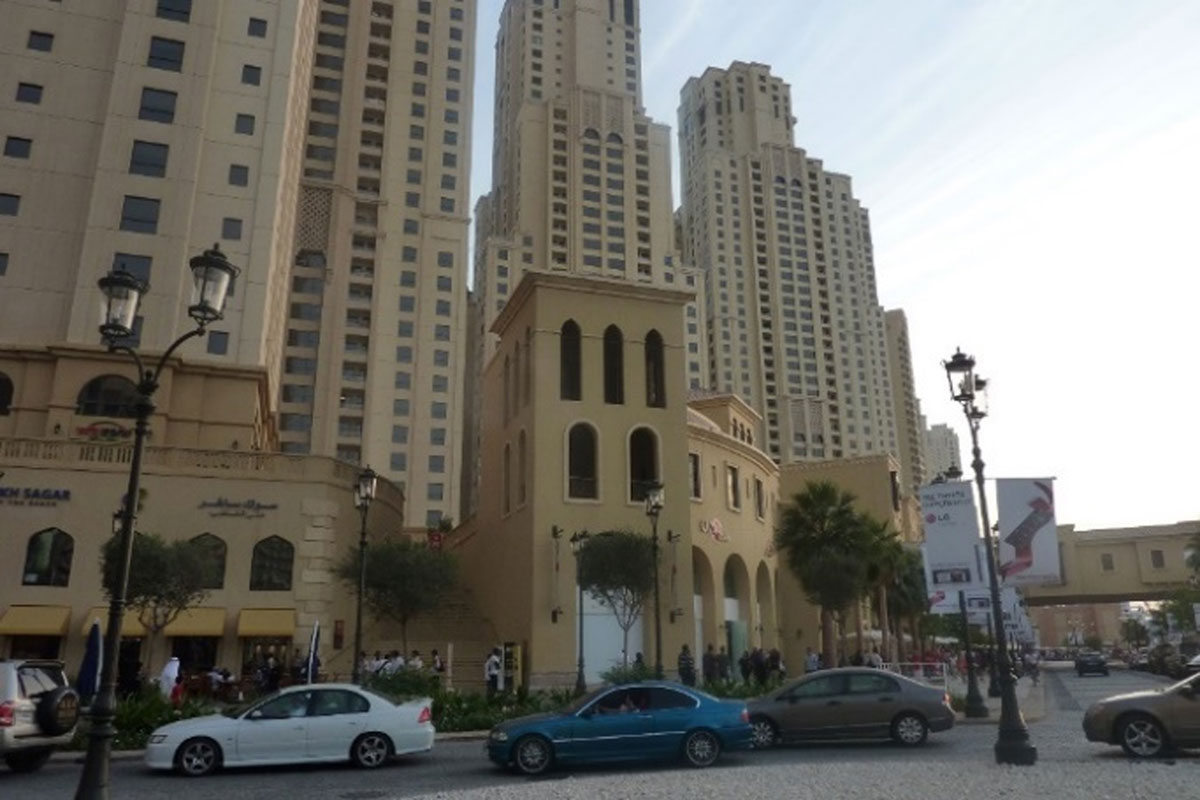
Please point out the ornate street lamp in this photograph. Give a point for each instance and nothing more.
(577, 539)
(654, 505)
(364, 493)
(122, 294)
(967, 389)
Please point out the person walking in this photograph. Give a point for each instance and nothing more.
(744, 666)
(686, 666)
(491, 672)
(722, 665)
(708, 665)
(435, 661)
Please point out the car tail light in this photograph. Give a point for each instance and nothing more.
(424, 716)
(946, 698)
(745, 714)
(8, 711)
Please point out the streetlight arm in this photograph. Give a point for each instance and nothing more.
(147, 380)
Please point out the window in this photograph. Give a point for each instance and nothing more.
(643, 462)
(569, 362)
(6, 386)
(214, 551)
(158, 105)
(108, 396)
(1106, 562)
(271, 565)
(521, 468)
(257, 28)
(1157, 560)
(251, 75)
(398, 462)
(656, 388)
(239, 175)
(287, 706)
(10, 205)
(218, 343)
(165, 54)
(3, 269)
(29, 93)
(733, 487)
(760, 505)
(244, 123)
(334, 702)
(663, 698)
(694, 473)
(822, 686)
(581, 462)
(139, 214)
(435, 491)
(614, 366)
(178, 10)
(148, 158)
(48, 558)
(507, 471)
(231, 228)
(41, 41)
(437, 464)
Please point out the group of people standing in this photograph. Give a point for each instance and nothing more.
(393, 662)
(758, 664)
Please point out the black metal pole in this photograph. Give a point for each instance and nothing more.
(1012, 741)
(658, 662)
(975, 708)
(993, 664)
(357, 677)
(93, 781)
(580, 680)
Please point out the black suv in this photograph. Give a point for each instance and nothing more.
(38, 712)
(1091, 662)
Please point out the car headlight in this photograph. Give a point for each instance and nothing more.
(158, 738)
(498, 736)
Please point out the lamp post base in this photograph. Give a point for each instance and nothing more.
(994, 688)
(975, 708)
(1018, 752)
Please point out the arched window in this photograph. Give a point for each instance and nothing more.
(643, 462)
(6, 395)
(591, 133)
(581, 462)
(271, 565)
(507, 478)
(656, 389)
(521, 469)
(108, 396)
(527, 378)
(516, 379)
(214, 550)
(614, 366)
(614, 138)
(507, 388)
(48, 558)
(570, 362)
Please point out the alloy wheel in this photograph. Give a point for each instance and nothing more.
(533, 755)
(371, 750)
(1143, 738)
(198, 757)
(702, 748)
(765, 734)
(910, 730)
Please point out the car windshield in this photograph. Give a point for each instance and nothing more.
(233, 712)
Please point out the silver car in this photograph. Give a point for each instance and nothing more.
(1148, 724)
(38, 712)
(850, 703)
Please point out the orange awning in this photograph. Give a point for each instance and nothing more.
(266, 622)
(35, 621)
(198, 622)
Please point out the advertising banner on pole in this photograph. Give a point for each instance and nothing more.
(1028, 541)
(951, 535)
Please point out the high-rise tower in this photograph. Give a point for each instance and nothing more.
(377, 321)
(906, 408)
(794, 323)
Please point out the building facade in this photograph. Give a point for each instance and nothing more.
(375, 352)
(794, 322)
(942, 450)
(906, 408)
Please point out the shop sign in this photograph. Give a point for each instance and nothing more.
(33, 496)
(224, 507)
(104, 431)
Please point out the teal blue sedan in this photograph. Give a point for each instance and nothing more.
(647, 721)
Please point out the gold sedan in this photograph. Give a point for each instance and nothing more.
(1148, 724)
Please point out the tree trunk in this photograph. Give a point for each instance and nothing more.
(858, 625)
(827, 648)
(885, 630)
(625, 647)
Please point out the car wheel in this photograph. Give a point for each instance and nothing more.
(198, 757)
(27, 760)
(1142, 736)
(701, 748)
(371, 750)
(910, 729)
(532, 755)
(766, 733)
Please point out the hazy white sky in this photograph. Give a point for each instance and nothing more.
(1031, 169)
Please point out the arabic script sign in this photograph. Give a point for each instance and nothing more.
(224, 507)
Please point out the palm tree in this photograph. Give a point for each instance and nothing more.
(1193, 553)
(825, 544)
(886, 558)
(908, 598)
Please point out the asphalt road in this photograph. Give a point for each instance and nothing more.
(959, 761)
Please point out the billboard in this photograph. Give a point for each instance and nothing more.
(1028, 536)
(951, 536)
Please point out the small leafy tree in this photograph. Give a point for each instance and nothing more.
(1134, 632)
(617, 568)
(165, 578)
(404, 580)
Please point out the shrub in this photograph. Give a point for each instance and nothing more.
(139, 714)
(405, 684)
(958, 702)
(630, 673)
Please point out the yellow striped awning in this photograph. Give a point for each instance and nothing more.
(35, 621)
(131, 626)
(266, 622)
(198, 622)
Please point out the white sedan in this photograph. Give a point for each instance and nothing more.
(314, 723)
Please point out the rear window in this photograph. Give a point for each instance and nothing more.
(34, 680)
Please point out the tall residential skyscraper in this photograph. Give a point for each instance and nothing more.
(377, 327)
(942, 449)
(581, 177)
(794, 323)
(906, 408)
(136, 134)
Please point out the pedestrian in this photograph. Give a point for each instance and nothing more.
(436, 662)
(708, 665)
(686, 666)
(744, 666)
(394, 663)
(177, 692)
(873, 659)
(812, 662)
(758, 665)
(416, 662)
(491, 672)
(722, 665)
(639, 662)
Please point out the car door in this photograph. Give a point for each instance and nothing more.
(673, 713)
(870, 701)
(610, 728)
(812, 708)
(276, 730)
(336, 717)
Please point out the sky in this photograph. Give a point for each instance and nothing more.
(1031, 170)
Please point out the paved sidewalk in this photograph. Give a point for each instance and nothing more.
(1031, 699)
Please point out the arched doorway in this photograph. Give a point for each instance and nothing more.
(736, 606)
(704, 601)
(764, 595)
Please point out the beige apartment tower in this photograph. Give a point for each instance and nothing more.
(136, 134)
(794, 323)
(942, 450)
(375, 348)
(906, 408)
